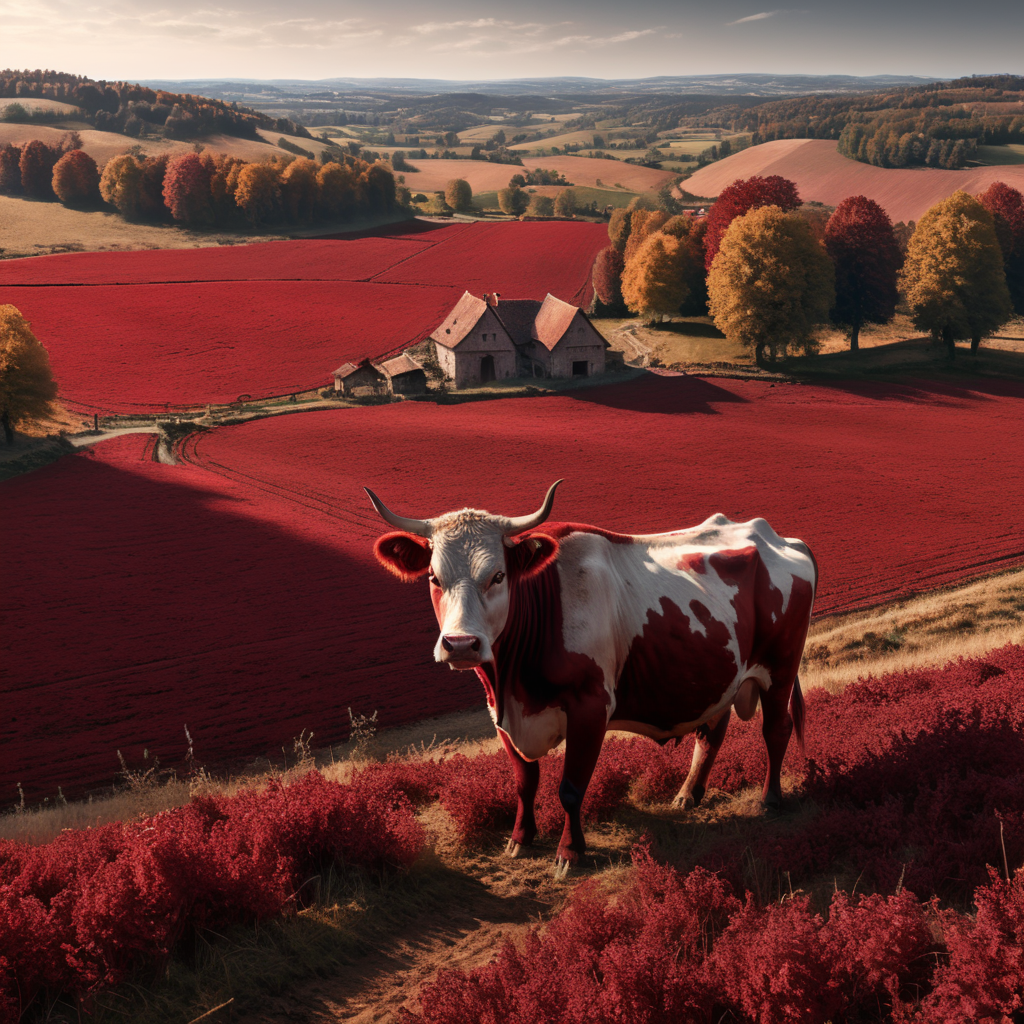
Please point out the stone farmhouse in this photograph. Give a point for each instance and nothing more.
(490, 339)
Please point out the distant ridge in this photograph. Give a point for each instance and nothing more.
(725, 85)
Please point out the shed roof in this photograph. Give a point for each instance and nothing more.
(403, 363)
(347, 369)
(460, 321)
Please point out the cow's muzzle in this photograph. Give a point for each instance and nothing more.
(461, 650)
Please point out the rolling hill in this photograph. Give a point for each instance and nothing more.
(823, 176)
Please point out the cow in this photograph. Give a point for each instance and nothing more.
(575, 630)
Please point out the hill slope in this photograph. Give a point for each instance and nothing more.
(822, 175)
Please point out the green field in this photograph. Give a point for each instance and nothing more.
(585, 195)
(1012, 154)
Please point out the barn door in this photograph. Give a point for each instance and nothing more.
(486, 369)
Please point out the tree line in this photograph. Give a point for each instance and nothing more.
(200, 189)
(135, 110)
(771, 271)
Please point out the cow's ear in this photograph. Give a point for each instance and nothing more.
(533, 554)
(408, 557)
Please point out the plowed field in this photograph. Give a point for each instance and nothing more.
(128, 332)
(236, 593)
(824, 176)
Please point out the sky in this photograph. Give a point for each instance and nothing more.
(314, 39)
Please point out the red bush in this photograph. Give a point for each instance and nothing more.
(76, 180)
(79, 914)
(187, 188)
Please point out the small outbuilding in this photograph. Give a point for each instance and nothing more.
(406, 375)
(356, 380)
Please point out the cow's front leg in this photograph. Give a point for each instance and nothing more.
(527, 779)
(708, 740)
(586, 723)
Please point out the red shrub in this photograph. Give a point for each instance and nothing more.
(187, 188)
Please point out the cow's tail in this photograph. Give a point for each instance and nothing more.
(797, 710)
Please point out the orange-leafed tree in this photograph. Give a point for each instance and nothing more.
(643, 224)
(654, 278)
(10, 169)
(27, 387)
(258, 194)
(121, 183)
(299, 191)
(867, 259)
(336, 184)
(76, 179)
(619, 225)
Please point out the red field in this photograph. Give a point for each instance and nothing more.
(137, 331)
(824, 176)
(237, 593)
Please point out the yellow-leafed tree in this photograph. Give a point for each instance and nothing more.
(259, 191)
(299, 190)
(654, 278)
(953, 276)
(459, 195)
(27, 387)
(771, 284)
(121, 184)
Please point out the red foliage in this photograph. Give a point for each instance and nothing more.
(187, 188)
(10, 169)
(741, 197)
(1006, 205)
(607, 276)
(82, 912)
(121, 349)
(860, 240)
(76, 179)
(36, 163)
(271, 588)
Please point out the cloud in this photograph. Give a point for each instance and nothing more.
(761, 16)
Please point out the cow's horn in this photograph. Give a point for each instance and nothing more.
(523, 523)
(419, 527)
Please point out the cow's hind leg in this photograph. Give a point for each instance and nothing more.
(586, 723)
(777, 728)
(527, 775)
(708, 740)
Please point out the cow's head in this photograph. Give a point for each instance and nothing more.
(473, 560)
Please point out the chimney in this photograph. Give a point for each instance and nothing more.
(493, 298)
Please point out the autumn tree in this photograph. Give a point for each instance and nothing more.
(120, 184)
(223, 182)
(654, 278)
(151, 188)
(76, 179)
(619, 225)
(953, 276)
(691, 230)
(36, 165)
(258, 193)
(513, 201)
(187, 188)
(378, 189)
(299, 191)
(607, 276)
(771, 284)
(540, 206)
(565, 203)
(10, 169)
(337, 189)
(860, 240)
(27, 387)
(1006, 205)
(739, 198)
(458, 195)
(643, 224)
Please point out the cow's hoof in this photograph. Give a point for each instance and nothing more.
(513, 849)
(562, 868)
(772, 808)
(685, 802)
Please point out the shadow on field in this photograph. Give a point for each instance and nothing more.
(926, 391)
(669, 396)
(175, 599)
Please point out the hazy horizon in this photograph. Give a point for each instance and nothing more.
(126, 39)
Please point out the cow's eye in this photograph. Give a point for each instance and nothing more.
(433, 578)
(498, 577)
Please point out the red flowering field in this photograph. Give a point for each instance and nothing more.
(236, 593)
(132, 332)
(913, 784)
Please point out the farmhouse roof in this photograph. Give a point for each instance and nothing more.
(460, 321)
(400, 364)
(553, 321)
